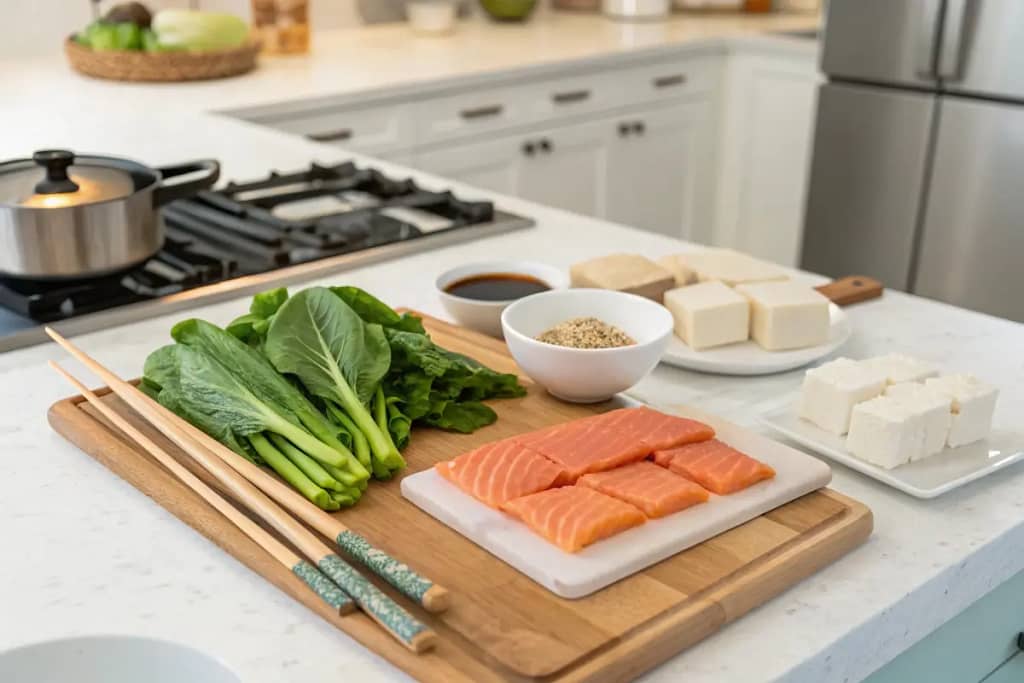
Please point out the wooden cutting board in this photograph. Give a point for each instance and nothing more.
(502, 626)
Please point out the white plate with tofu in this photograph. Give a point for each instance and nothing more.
(749, 358)
(893, 419)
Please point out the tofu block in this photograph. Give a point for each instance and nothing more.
(731, 267)
(932, 406)
(830, 392)
(629, 273)
(786, 315)
(901, 368)
(677, 265)
(887, 432)
(973, 404)
(709, 314)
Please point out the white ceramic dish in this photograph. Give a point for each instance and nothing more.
(485, 316)
(111, 659)
(747, 358)
(605, 562)
(432, 17)
(926, 478)
(586, 375)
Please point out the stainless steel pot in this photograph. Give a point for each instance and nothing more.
(67, 216)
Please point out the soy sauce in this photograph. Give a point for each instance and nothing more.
(497, 286)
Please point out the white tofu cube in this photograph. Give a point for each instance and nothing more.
(679, 267)
(973, 404)
(933, 406)
(786, 315)
(731, 267)
(901, 368)
(887, 432)
(830, 392)
(709, 314)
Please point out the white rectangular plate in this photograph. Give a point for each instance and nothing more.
(926, 478)
(605, 562)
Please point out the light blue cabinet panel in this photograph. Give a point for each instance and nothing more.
(970, 646)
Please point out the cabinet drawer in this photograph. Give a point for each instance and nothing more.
(471, 113)
(370, 129)
(668, 80)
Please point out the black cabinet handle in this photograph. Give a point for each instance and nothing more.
(639, 128)
(571, 96)
(669, 81)
(529, 149)
(624, 130)
(481, 112)
(1020, 640)
(546, 146)
(331, 135)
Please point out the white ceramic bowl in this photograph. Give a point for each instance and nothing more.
(485, 316)
(586, 375)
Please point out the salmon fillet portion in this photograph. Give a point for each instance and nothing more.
(657, 429)
(716, 466)
(583, 446)
(573, 517)
(500, 471)
(655, 490)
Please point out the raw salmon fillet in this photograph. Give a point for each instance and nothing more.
(573, 517)
(657, 429)
(653, 489)
(583, 446)
(500, 471)
(716, 466)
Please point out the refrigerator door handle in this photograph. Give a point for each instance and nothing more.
(952, 39)
(925, 47)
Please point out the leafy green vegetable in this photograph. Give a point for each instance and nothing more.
(318, 338)
(373, 310)
(198, 30)
(290, 472)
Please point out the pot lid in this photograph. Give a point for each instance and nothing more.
(55, 178)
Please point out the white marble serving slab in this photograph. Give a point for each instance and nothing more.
(747, 358)
(605, 562)
(927, 478)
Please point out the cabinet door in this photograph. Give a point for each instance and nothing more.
(491, 165)
(566, 167)
(659, 164)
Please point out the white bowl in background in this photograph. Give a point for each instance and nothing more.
(111, 659)
(586, 375)
(485, 316)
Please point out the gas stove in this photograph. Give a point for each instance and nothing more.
(250, 236)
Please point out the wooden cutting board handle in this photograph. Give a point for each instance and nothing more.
(852, 289)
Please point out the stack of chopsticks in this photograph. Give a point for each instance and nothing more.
(329, 576)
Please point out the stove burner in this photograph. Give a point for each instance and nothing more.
(255, 227)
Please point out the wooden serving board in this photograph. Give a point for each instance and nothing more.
(501, 626)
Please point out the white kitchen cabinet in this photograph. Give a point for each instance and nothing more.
(767, 131)
(662, 169)
(491, 164)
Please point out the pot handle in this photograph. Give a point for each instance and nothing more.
(168, 192)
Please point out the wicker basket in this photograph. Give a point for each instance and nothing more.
(133, 65)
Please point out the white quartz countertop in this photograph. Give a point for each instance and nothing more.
(390, 59)
(87, 553)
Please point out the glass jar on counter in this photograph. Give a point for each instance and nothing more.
(282, 26)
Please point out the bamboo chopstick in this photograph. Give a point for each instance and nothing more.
(433, 597)
(401, 625)
(317, 582)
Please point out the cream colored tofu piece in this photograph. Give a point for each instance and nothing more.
(629, 273)
(731, 267)
(900, 368)
(680, 269)
(887, 432)
(973, 404)
(934, 408)
(709, 314)
(786, 315)
(830, 391)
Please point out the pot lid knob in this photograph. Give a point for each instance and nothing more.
(56, 163)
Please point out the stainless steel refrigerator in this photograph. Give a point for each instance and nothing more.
(918, 169)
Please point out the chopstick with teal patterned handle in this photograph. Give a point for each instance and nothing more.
(317, 582)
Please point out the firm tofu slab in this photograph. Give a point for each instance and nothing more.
(498, 472)
(887, 432)
(786, 315)
(630, 273)
(973, 405)
(715, 465)
(653, 489)
(899, 368)
(831, 390)
(934, 407)
(573, 517)
(730, 267)
(709, 314)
